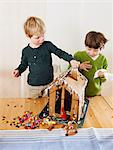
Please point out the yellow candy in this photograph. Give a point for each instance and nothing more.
(43, 123)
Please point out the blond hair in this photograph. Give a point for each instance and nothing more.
(34, 26)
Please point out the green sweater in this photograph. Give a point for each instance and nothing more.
(39, 61)
(94, 85)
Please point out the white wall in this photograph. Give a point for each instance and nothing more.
(12, 39)
(67, 23)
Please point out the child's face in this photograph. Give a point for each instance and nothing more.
(37, 40)
(92, 52)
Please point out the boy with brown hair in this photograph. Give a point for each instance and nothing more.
(92, 60)
(37, 56)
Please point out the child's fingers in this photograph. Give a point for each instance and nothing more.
(86, 69)
(85, 66)
(88, 66)
(87, 62)
(100, 74)
(15, 73)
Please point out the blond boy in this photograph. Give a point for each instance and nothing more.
(37, 56)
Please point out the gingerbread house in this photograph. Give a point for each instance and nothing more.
(73, 82)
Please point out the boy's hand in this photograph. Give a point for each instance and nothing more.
(75, 64)
(85, 66)
(100, 74)
(16, 73)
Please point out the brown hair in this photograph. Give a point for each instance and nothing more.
(95, 40)
(34, 26)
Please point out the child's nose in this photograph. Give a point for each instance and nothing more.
(42, 38)
(91, 53)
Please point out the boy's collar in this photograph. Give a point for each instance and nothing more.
(95, 57)
(33, 47)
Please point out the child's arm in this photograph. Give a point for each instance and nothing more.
(22, 67)
(105, 66)
(62, 54)
(100, 73)
(86, 66)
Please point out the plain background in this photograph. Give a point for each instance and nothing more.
(67, 23)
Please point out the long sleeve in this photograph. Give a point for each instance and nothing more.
(60, 53)
(105, 66)
(24, 63)
(77, 55)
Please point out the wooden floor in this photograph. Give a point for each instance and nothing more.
(99, 114)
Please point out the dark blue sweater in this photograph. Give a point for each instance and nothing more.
(39, 61)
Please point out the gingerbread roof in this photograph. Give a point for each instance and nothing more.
(72, 79)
